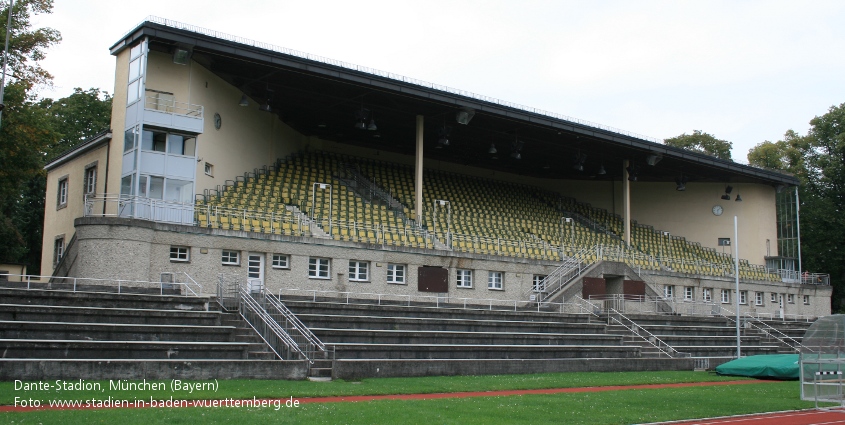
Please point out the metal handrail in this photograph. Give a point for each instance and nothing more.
(780, 336)
(348, 297)
(311, 344)
(571, 268)
(270, 327)
(636, 329)
(171, 106)
(120, 284)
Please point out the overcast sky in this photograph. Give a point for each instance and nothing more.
(744, 71)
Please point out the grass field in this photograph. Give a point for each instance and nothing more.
(613, 407)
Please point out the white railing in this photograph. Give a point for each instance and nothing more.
(80, 284)
(571, 268)
(777, 334)
(433, 301)
(110, 205)
(171, 106)
(644, 304)
(644, 334)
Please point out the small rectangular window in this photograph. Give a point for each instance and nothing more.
(688, 293)
(318, 268)
(538, 283)
(806, 300)
(464, 278)
(494, 280)
(359, 271)
(707, 294)
(58, 250)
(90, 180)
(758, 298)
(668, 291)
(726, 296)
(396, 273)
(179, 254)
(61, 198)
(209, 169)
(231, 258)
(281, 261)
(790, 298)
(743, 297)
(774, 297)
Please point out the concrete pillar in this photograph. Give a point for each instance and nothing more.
(626, 201)
(418, 172)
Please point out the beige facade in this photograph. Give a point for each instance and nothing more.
(66, 190)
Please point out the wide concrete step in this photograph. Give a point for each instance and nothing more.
(389, 336)
(335, 321)
(104, 299)
(480, 351)
(83, 349)
(108, 315)
(444, 312)
(689, 330)
(726, 350)
(114, 332)
(706, 340)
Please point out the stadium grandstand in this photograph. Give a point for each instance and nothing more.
(344, 221)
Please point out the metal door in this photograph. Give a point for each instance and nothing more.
(255, 271)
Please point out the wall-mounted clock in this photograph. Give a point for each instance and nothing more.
(217, 121)
(717, 210)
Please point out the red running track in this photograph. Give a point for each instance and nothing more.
(800, 417)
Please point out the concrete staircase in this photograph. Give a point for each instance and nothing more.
(159, 334)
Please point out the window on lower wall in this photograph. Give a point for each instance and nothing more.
(179, 254)
(58, 250)
(758, 298)
(743, 297)
(806, 300)
(359, 271)
(774, 297)
(707, 294)
(396, 273)
(689, 293)
(790, 298)
(231, 258)
(538, 283)
(281, 261)
(464, 278)
(91, 180)
(669, 291)
(318, 268)
(495, 280)
(726, 296)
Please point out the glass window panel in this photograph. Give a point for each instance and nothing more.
(142, 186)
(176, 144)
(156, 187)
(134, 69)
(128, 139)
(132, 93)
(126, 186)
(135, 51)
(179, 190)
(190, 146)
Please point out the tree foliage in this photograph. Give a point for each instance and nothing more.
(818, 160)
(33, 130)
(702, 142)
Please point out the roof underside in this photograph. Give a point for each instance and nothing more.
(325, 100)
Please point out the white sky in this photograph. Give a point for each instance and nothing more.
(744, 71)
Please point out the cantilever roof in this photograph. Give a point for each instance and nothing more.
(322, 97)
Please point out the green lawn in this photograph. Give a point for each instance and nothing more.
(244, 389)
(613, 407)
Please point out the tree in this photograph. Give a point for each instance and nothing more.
(818, 160)
(77, 117)
(702, 142)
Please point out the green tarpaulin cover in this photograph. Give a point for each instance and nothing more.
(779, 366)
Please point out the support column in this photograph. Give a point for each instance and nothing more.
(418, 172)
(626, 201)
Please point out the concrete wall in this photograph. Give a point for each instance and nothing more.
(105, 245)
(58, 220)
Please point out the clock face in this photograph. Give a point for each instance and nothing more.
(217, 121)
(717, 210)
